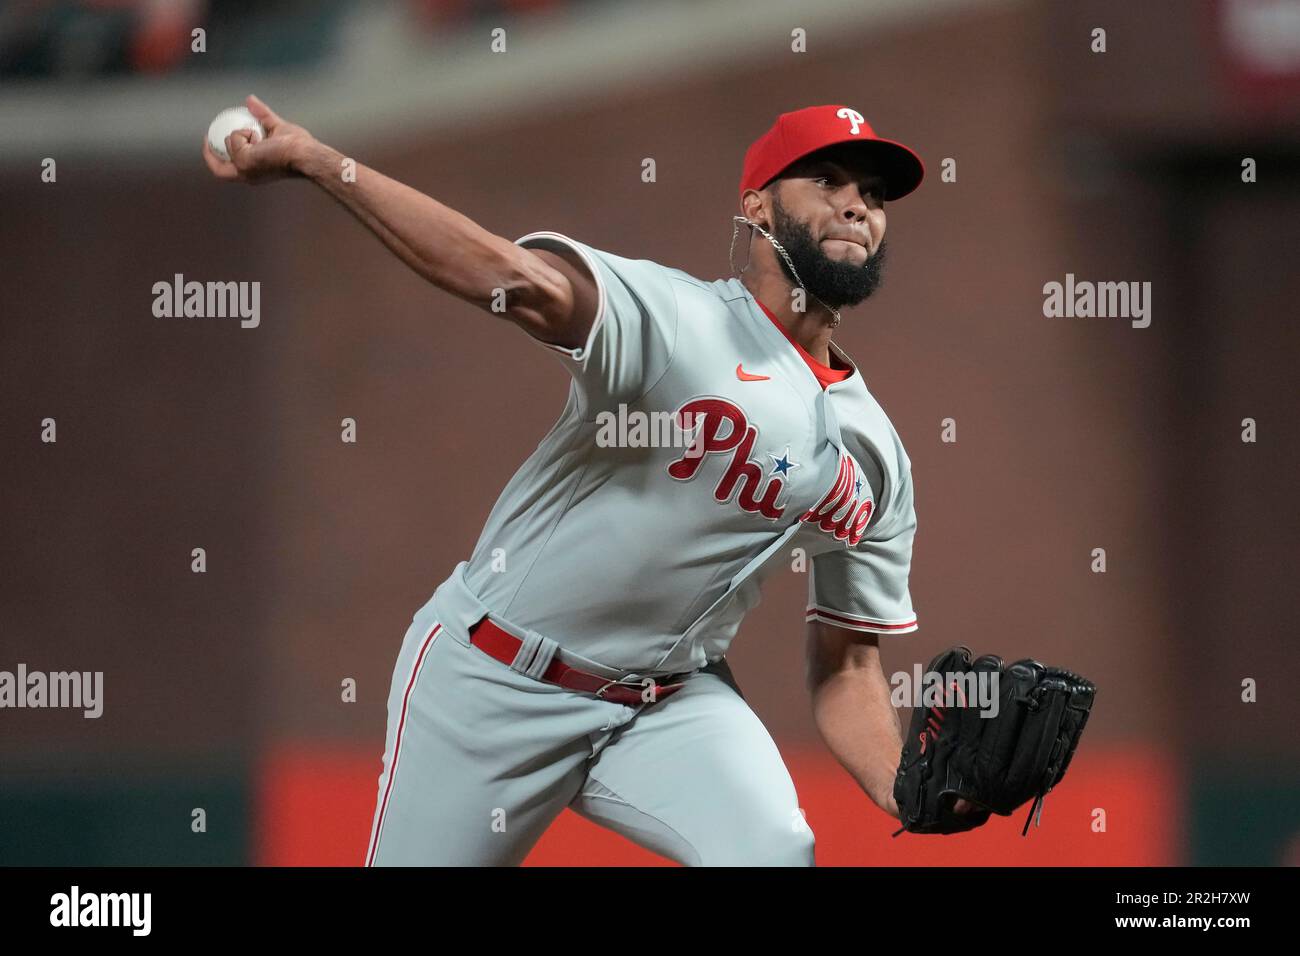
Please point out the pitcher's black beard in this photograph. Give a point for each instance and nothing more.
(836, 283)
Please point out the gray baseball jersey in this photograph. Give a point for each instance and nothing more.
(697, 453)
(648, 557)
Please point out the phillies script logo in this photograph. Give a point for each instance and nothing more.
(840, 513)
(713, 416)
(724, 429)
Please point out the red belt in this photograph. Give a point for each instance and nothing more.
(504, 646)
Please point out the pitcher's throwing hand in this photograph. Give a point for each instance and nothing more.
(258, 162)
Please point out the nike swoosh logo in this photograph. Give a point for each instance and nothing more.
(747, 377)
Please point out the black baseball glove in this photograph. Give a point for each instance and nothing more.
(1009, 745)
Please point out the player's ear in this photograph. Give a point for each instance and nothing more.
(754, 207)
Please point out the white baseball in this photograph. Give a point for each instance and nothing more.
(229, 120)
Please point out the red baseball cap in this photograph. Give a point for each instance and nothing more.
(795, 135)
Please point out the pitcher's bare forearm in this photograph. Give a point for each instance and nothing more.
(852, 708)
(444, 246)
(853, 714)
(547, 294)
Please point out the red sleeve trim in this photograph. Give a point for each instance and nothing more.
(856, 623)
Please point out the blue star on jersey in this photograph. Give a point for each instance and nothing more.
(782, 465)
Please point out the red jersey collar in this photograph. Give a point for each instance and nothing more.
(825, 374)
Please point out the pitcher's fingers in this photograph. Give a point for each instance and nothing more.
(265, 115)
(222, 169)
(237, 144)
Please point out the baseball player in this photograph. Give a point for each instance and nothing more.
(577, 659)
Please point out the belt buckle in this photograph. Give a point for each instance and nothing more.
(662, 687)
(632, 680)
